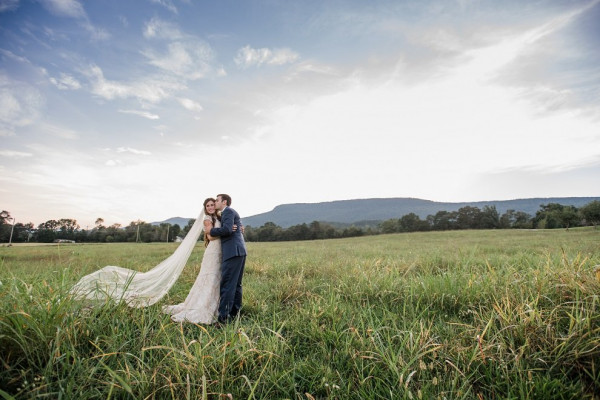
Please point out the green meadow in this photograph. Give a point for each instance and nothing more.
(502, 314)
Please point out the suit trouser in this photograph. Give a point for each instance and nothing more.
(230, 302)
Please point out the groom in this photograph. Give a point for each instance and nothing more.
(234, 259)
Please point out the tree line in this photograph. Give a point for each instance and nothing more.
(69, 230)
(549, 216)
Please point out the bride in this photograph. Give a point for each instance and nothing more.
(142, 289)
(202, 303)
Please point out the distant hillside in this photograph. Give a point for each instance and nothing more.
(369, 212)
(353, 211)
(173, 221)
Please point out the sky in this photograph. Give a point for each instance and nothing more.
(139, 110)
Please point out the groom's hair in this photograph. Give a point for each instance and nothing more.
(225, 197)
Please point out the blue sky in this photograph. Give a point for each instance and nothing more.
(130, 110)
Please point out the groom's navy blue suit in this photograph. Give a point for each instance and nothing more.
(232, 268)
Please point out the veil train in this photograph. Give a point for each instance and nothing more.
(139, 289)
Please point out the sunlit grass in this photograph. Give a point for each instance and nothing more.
(455, 315)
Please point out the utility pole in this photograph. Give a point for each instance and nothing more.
(168, 226)
(11, 231)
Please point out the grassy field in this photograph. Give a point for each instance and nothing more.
(440, 315)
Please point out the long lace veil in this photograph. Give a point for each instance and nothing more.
(139, 289)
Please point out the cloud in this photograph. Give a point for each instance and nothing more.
(144, 114)
(430, 135)
(147, 90)
(167, 4)
(64, 8)
(190, 105)
(187, 60)
(133, 151)
(13, 56)
(63, 133)
(66, 82)
(185, 56)
(20, 105)
(14, 154)
(157, 28)
(8, 5)
(74, 9)
(248, 57)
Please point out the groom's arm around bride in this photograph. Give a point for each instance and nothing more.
(234, 259)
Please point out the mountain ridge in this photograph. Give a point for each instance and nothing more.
(350, 211)
(381, 209)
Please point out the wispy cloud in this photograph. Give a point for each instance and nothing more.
(11, 55)
(160, 29)
(20, 105)
(185, 56)
(8, 5)
(66, 82)
(190, 105)
(147, 90)
(248, 57)
(64, 8)
(188, 60)
(60, 132)
(168, 4)
(14, 154)
(133, 151)
(74, 9)
(144, 114)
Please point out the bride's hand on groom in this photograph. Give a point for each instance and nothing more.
(235, 228)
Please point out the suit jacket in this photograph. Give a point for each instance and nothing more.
(232, 243)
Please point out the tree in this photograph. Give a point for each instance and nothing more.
(174, 232)
(5, 226)
(187, 228)
(297, 232)
(554, 215)
(515, 219)
(316, 230)
(23, 232)
(569, 216)
(489, 218)
(468, 217)
(443, 220)
(269, 232)
(352, 231)
(591, 213)
(46, 232)
(412, 223)
(116, 233)
(389, 226)
(67, 228)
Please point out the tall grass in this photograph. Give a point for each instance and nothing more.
(454, 315)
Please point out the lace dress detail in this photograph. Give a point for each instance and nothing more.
(202, 303)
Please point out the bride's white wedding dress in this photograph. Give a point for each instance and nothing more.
(202, 303)
(142, 289)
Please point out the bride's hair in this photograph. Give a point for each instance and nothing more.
(214, 218)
